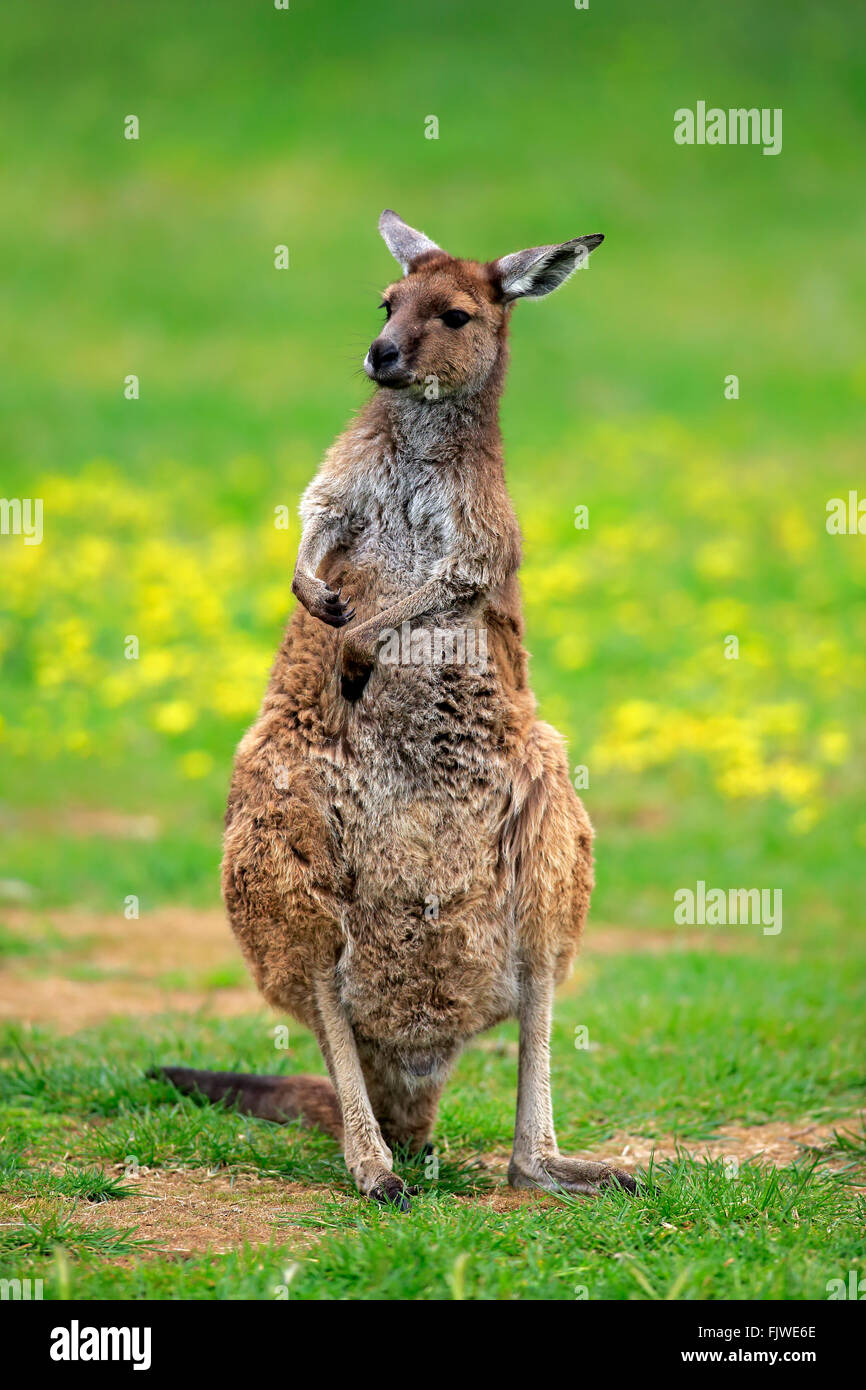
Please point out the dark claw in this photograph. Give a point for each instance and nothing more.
(334, 609)
(623, 1180)
(338, 619)
(391, 1193)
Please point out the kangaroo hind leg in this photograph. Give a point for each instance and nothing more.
(548, 846)
(368, 1157)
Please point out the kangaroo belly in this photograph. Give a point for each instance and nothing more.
(429, 947)
(402, 797)
(425, 983)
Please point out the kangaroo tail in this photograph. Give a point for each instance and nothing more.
(311, 1099)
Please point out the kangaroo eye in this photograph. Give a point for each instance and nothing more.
(454, 318)
(387, 307)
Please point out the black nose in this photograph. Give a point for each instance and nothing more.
(383, 354)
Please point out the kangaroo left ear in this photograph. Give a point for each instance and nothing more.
(541, 269)
(404, 243)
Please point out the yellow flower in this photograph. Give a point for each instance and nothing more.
(195, 764)
(795, 535)
(722, 559)
(745, 779)
(794, 781)
(117, 688)
(783, 718)
(833, 745)
(174, 717)
(635, 717)
(156, 665)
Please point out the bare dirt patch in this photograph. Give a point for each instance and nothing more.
(507, 1199)
(780, 1142)
(134, 957)
(161, 963)
(72, 1004)
(84, 823)
(606, 940)
(190, 1211)
(170, 938)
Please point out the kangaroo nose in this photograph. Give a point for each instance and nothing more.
(383, 353)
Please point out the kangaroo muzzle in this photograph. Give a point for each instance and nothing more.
(384, 363)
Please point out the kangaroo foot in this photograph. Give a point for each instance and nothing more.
(380, 1184)
(569, 1175)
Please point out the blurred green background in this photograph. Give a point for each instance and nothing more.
(707, 516)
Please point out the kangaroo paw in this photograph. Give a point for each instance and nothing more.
(570, 1175)
(322, 602)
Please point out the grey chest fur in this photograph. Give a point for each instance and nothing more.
(402, 520)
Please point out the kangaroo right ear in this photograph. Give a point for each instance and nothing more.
(530, 274)
(404, 243)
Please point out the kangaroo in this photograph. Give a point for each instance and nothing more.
(406, 862)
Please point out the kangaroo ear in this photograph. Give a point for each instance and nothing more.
(530, 274)
(404, 243)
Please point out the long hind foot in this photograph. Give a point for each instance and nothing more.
(561, 1174)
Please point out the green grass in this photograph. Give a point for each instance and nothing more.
(706, 519)
(691, 1234)
(685, 1043)
(91, 1184)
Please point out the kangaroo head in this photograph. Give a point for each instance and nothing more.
(446, 319)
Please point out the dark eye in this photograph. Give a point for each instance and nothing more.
(454, 318)
(387, 307)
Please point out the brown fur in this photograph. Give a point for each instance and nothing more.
(406, 862)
